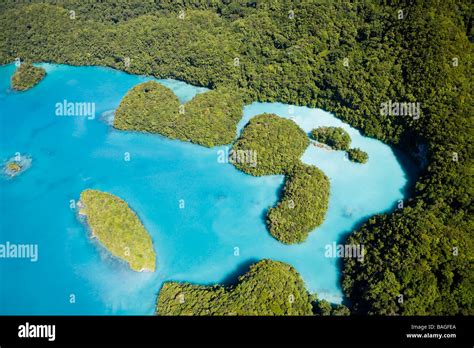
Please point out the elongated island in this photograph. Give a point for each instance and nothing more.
(118, 229)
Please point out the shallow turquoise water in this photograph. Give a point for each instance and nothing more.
(224, 208)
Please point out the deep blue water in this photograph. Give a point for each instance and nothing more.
(224, 208)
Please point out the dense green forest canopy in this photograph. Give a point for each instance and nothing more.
(335, 137)
(27, 76)
(338, 139)
(345, 57)
(277, 142)
(118, 229)
(268, 288)
(303, 205)
(357, 155)
(209, 119)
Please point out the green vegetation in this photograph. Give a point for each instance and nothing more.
(302, 207)
(424, 251)
(27, 76)
(117, 227)
(268, 288)
(335, 137)
(199, 49)
(344, 57)
(278, 143)
(148, 106)
(209, 119)
(324, 308)
(338, 139)
(357, 155)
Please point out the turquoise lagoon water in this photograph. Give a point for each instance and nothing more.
(224, 209)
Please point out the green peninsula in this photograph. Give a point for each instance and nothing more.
(118, 229)
(278, 144)
(303, 205)
(209, 119)
(268, 288)
(27, 76)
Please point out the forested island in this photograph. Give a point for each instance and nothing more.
(344, 57)
(209, 119)
(357, 155)
(335, 137)
(338, 139)
(279, 144)
(303, 205)
(118, 229)
(27, 76)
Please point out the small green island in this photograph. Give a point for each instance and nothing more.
(118, 229)
(338, 139)
(209, 119)
(357, 155)
(27, 76)
(268, 288)
(279, 144)
(335, 137)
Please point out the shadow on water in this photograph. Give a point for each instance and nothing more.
(412, 172)
(279, 194)
(233, 277)
(230, 279)
(410, 168)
